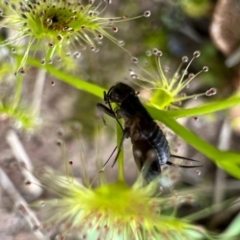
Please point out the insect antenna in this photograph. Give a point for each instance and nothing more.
(185, 158)
(182, 166)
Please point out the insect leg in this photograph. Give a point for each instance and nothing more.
(125, 135)
(109, 111)
(103, 109)
(104, 165)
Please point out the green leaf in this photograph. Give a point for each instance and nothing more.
(98, 91)
(67, 78)
(228, 160)
(204, 109)
(233, 229)
(121, 155)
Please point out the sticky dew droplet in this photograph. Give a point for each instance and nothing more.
(115, 29)
(121, 43)
(59, 142)
(211, 92)
(134, 60)
(184, 59)
(134, 76)
(147, 14)
(59, 37)
(167, 69)
(60, 132)
(148, 53)
(191, 76)
(195, 118)
(21, 71)
(93, 48)
(159, 53)
(90, 13)
(205, 69)
(100, 36)
(184, 72)
(76, 55)
(196, 54)
(154, 51)
(198, 172)
(27, 182)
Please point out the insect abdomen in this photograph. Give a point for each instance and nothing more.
(160, 144)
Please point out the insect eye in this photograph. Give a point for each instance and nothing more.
(116, 95)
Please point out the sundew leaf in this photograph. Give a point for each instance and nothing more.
(37, 22)
(204, 109)
(228, 160)
(233, 229)
(69, 79)
(98, 91)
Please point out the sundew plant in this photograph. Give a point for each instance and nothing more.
(58, 29)
(57, 60)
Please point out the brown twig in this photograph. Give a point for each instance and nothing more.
(21, 205)
(25, 164)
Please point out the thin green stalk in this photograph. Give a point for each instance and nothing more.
(18, 92)
(67, 78)
(209, 210)
(98, 91)
(204, 109)
(120, 159)
(197, 111)
(228, 160)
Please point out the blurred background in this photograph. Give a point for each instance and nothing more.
(177, 28)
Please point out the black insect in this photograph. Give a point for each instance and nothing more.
(150, 146)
